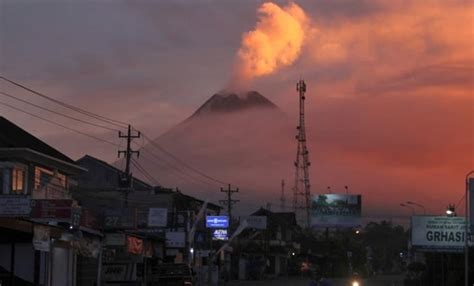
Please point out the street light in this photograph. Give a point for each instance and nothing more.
(418, 205)
(409, 207)
(466, 243)
(451, 210)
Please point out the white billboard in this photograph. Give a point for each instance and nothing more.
(256, 222)
(438, 232)
(157, 217)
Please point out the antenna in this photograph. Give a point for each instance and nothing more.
(301, 189)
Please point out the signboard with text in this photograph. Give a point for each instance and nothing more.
(157, 217)
(52, 210)
(336, 210)
(219, 234)
(175, 239)
(120, 218)
(217, 221)
(15, 206)
(438, 232)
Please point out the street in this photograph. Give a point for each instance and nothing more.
(375, 281)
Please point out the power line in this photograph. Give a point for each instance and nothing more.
(157, 146)
(77, 109)
(59, 124)
(144, 172)
(178, 169)
(57, 113)
(101, 118)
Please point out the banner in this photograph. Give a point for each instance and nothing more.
(471, 203)
(438, 232)
(256, 222)
(336, 210)
(41, 236)
(135, 245)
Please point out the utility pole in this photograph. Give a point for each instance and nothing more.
(229, 201)
(126, 179)
(302, 184)
(282, 196)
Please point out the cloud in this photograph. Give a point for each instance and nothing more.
(275, 42)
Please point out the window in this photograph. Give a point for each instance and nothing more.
(12, 179)
(18, 181)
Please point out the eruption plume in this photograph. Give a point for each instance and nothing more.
(275, 42)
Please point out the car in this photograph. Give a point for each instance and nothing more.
(173, 274)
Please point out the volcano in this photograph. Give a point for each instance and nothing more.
(238, 137)
(228, 101)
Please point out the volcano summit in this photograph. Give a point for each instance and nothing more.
(229, 101)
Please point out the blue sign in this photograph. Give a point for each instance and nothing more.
(217, 221)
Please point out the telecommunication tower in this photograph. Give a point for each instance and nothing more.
(301, 189)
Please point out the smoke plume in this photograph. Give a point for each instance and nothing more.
(275, 42)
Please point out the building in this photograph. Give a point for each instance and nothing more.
(42, 231)
(264, 250)
(144, 225)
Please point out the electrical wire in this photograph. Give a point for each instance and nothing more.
(57, 113)
(160, 148)
(103, 119)
(77, 109)
(144, 172)
(59, 124)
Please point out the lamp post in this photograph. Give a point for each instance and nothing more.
(409, 207)
(418, 205)
(466, 232)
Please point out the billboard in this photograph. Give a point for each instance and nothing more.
(157, 217)
(217, 221)
(256, 222)
(336, 210)
(438, 232)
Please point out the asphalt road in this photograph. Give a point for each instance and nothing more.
(376, 281)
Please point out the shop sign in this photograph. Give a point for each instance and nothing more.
(217, 221)
(114, 272)
(175, 239)
(157, 217)
(115, 239)
(121, 218)
(41, 236)
(15, 206)
(52, 210)
(219, 234)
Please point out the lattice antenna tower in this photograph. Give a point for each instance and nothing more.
(301, 189)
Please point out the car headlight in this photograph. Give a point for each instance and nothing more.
(355, 283)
